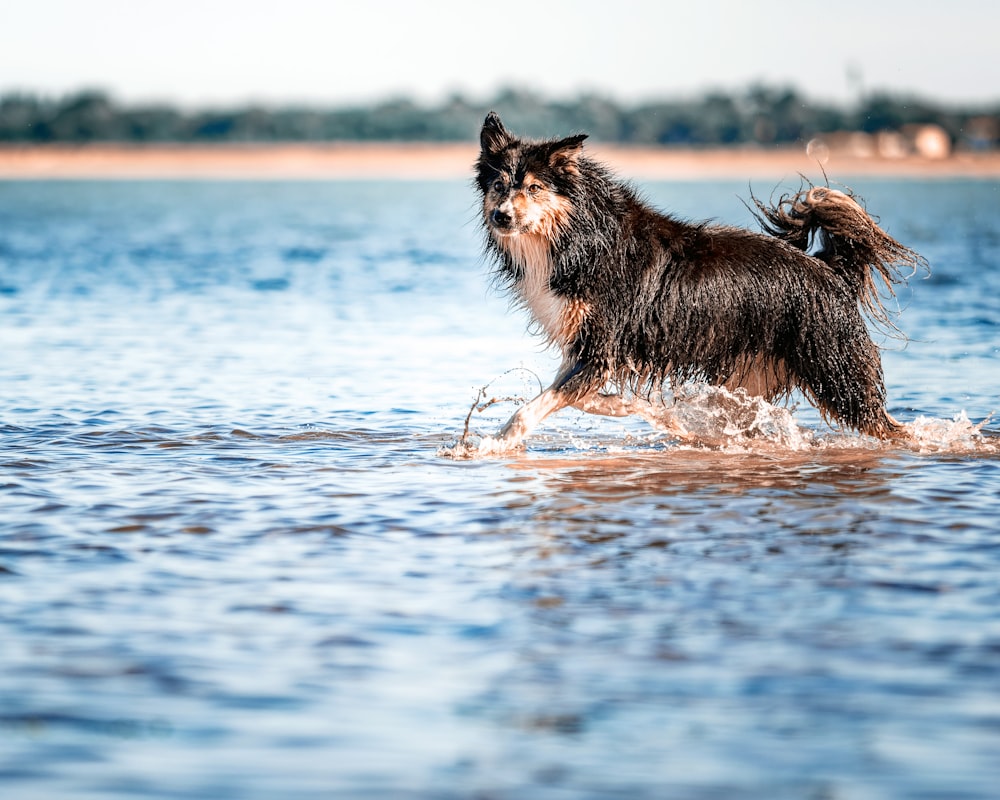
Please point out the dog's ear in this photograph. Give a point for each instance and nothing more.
(494, 136)
(564, 153)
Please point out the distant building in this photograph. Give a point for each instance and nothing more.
(982, 133)
(924, 141)
(928, 141)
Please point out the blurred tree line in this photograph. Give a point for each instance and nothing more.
(759, 114)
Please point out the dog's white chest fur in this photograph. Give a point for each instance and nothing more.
(548, 309)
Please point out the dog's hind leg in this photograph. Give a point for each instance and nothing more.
(606, 405)
(843, 377)
(614, 405)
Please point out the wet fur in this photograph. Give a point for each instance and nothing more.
(634, 297)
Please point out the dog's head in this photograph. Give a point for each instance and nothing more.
(526, 185)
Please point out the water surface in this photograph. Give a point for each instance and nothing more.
(233, 563)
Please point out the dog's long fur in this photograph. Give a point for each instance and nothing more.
(635, 298)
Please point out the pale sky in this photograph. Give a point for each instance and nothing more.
(324, 52)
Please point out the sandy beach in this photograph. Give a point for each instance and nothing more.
(421, 161)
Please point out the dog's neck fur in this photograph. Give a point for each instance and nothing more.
(532, 258)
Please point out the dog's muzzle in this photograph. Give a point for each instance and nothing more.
(500, 219)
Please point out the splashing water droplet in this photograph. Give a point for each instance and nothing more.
(958, 435)
(715, 416)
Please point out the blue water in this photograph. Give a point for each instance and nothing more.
(236, 563)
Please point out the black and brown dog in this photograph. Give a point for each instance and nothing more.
(635, 298)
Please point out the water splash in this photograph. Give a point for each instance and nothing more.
(470, 445)
(700, 415)
(714, 418)
(958, 435)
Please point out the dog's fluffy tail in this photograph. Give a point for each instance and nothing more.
(838, 231)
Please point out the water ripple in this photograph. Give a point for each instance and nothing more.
(233, 564)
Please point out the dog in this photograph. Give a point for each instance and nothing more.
(635, 298)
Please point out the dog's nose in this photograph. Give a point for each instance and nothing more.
(500, 219)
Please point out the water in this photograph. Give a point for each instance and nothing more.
(233, 563)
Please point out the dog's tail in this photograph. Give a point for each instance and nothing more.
(839, 231)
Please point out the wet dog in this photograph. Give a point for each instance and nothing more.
(635, 298)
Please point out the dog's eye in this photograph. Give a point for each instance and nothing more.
(534, 188)
(498, 186)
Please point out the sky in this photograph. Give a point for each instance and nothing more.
(197, 53)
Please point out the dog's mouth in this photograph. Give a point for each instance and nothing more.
(504, 233)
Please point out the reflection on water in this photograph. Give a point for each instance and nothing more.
(617, 478)
(233, 564)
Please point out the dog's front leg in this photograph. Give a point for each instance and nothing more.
(529, 415)
(526, 418)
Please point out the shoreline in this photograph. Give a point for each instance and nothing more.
(445, 161)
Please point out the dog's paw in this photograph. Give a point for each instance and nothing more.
(470, 447)
(461, 450)
(498, 445)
